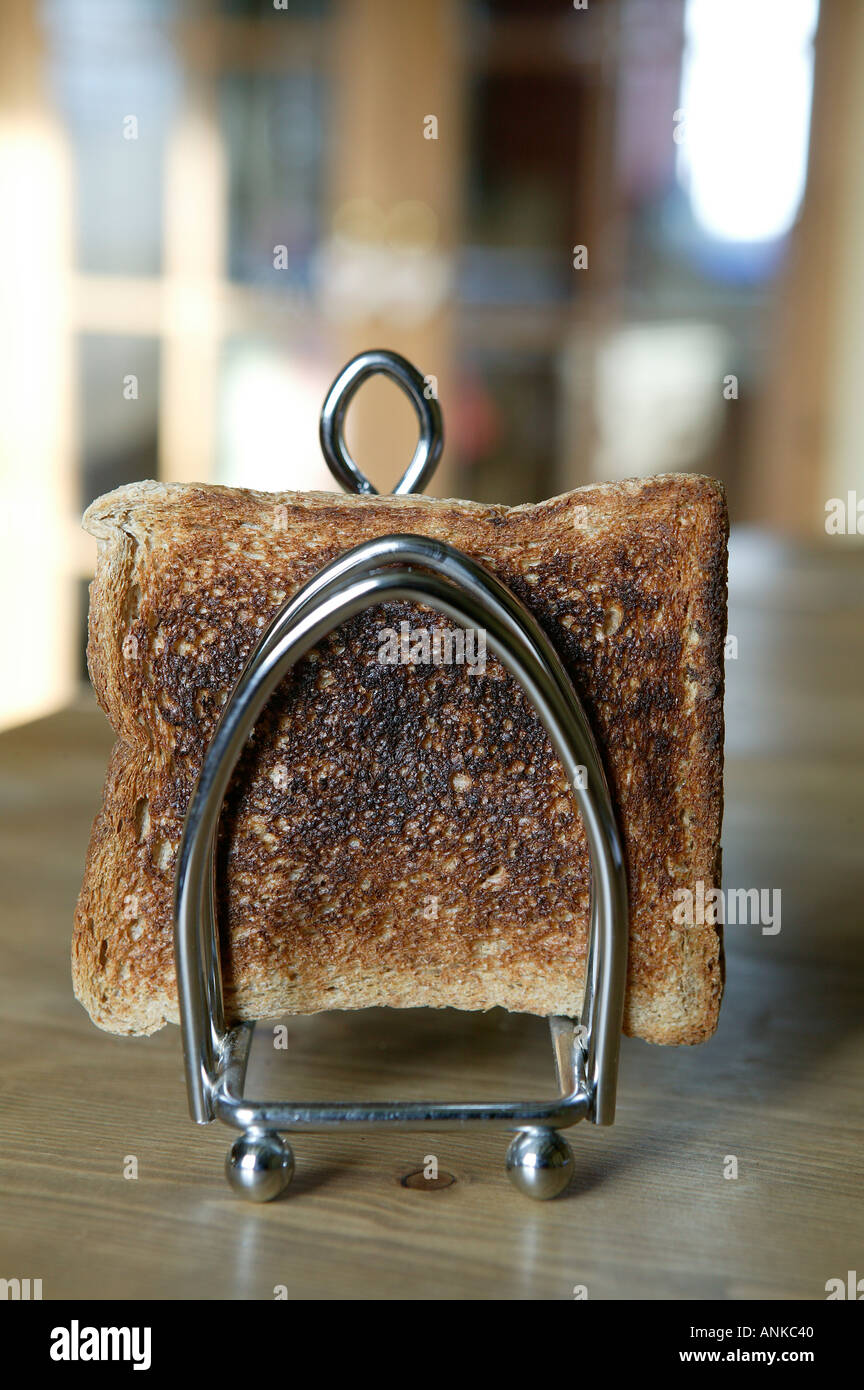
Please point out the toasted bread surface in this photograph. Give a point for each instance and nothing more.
(403, 834)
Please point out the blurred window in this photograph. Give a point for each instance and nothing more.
(273, 130)
(115, 81)
(744, 118)
(118, 380)
(269, 402)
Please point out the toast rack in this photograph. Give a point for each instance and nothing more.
(260, 1164)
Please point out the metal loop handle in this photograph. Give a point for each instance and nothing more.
(419, 570)
(332, 427)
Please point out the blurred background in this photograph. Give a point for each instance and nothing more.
(623, 236)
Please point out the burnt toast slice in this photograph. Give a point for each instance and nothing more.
(400, 834)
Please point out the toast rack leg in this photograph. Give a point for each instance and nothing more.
(540, 1163)
(259, 1165)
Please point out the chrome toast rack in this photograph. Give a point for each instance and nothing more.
(260, 1163)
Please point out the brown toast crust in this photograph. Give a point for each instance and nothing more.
(403, 835)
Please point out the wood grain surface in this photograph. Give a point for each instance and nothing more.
(650, 1213)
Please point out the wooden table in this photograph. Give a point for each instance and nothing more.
(650, 1213)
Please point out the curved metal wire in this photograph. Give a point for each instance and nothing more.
(432, 573)
(331, 431)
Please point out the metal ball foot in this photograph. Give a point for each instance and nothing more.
(540, 1163)
(259, 1165)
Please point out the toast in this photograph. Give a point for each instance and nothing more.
(402, 834)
